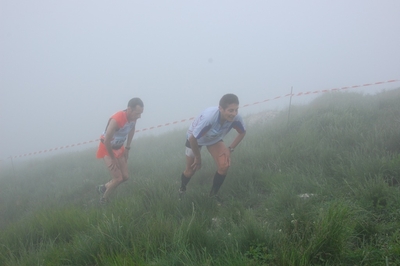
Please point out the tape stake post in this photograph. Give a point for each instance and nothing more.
(290, 104)
(12, 164)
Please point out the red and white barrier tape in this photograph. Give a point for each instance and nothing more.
(319, 91)
(184, 120)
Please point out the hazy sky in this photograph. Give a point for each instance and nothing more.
(67, 65)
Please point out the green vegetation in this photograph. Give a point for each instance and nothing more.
(321, 189)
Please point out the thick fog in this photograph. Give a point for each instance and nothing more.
(67, 66)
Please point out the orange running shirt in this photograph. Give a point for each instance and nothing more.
(118, 140)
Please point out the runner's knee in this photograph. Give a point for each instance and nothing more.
(223, 168)
(188, 173)
(119, 178)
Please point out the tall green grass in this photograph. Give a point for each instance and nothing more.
(319, 189)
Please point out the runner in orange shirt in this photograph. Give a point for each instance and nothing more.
(120, 128)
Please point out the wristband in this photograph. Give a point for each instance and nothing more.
(128, 148)
(230, 149)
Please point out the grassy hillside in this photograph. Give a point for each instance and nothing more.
(319, 189)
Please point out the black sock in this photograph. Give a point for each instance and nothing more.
(217, 183)
(185, 180)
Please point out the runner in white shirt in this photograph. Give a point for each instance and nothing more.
(208, 129)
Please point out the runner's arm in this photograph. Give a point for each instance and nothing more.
(194, 146)
(238, 139)
(130, 137)
(111, 129)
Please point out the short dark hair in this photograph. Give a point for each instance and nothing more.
(135, 101)
(228, 99)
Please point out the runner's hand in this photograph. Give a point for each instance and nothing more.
(113, 164)
(196, 164)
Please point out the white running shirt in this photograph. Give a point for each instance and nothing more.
(207, 129)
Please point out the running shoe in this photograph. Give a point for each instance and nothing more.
(182, 191)
(217, 199)
(101, 189)
(103, 201)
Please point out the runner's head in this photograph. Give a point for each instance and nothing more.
(228, 99)
(135, 109)
(228, 107)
